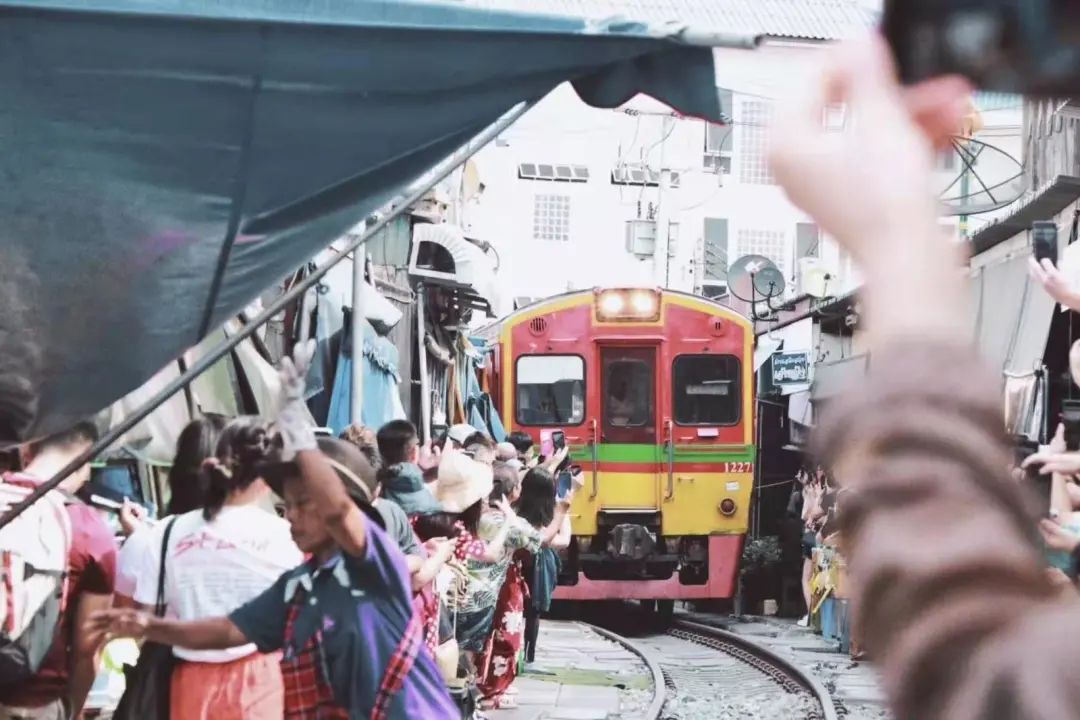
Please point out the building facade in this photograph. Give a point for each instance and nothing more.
(574, 196)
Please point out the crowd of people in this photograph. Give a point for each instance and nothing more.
(813, 505)
(948, 579)
(300, 576)
(395, 573)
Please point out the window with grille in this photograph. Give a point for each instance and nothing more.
(638, 174)
(770, 243)
(720, 140)
(754, 151)
(551, 217)
(553, 173)
(716, 250)
(807, 240)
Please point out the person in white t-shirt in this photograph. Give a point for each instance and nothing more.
(187, 490)
(218, 559)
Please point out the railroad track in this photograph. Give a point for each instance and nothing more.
(738, 679)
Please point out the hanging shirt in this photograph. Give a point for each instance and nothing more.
(214, 567)
(353, 613)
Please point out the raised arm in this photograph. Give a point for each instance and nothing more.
(1055, 283)
(425, 570)
(344, 521)
(497, 545)
(949, 591)
(565, 533)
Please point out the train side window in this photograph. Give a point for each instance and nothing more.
(706, 389)
(550, 390)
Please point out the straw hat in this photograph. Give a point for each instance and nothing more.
(462, 482)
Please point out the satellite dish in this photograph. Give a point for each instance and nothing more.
(985, 178)
(754, 278)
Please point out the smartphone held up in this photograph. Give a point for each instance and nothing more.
(1044, 241)
(1038, 484)
(1019, 46)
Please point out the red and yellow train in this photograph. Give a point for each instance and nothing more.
(654, 391)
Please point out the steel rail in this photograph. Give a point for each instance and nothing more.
(656, 706)
(411, 195)
(768, 657)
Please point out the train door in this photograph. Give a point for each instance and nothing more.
(629, 448)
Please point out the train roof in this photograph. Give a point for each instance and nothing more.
(488, 331)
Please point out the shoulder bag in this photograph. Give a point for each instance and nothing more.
(146, 692)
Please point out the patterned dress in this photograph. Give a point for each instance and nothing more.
(426, 602)
(500, 663)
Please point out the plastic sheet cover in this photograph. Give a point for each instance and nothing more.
(164, 161)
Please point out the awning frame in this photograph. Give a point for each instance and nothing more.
(398, 206)
(677, 33)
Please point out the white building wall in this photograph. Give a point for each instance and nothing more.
(562, 129)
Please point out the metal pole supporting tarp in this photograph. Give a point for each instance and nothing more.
(359, 280)
(398, 206)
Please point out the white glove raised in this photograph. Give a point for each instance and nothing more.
(293, 422)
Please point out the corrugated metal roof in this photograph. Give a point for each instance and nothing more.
(804, 19)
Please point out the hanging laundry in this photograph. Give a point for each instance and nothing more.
(382, 403)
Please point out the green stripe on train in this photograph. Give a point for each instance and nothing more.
(644, 453)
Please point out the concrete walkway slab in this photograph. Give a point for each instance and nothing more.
(579, 675)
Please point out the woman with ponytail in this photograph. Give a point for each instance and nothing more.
(187, 491)
(217, 558)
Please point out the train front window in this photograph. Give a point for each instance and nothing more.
(550, 390)
(628, 394)
(706, 389)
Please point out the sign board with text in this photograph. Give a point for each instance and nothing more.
(791, 368)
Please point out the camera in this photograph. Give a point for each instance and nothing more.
(1018, 46)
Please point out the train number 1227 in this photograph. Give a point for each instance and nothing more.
(739, 467)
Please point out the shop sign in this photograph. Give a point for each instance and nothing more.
(791, 368)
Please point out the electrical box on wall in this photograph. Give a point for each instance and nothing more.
(641, 238)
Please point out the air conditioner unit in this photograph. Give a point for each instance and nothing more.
(815, 279)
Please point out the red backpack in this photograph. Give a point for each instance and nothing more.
(33, 578)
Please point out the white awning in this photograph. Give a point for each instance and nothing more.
(472, 267)
(1011, 315)
(836, 378)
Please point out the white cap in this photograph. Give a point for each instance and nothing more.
(460, 433)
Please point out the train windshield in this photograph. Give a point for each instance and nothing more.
(628, 393)
(706, 389)
(550, 390)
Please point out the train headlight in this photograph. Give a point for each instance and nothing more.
(636, 305)
(727, 507)
(612, 304)
(643, 303)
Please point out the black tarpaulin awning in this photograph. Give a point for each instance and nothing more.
(167, 160)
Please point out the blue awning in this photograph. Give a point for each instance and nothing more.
(165, 161)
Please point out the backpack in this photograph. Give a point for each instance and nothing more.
(33, 578)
